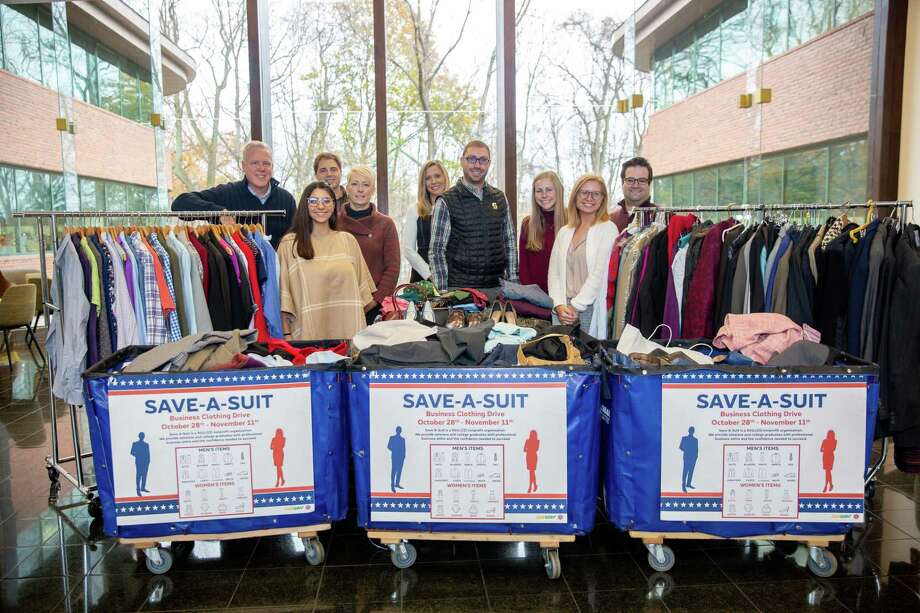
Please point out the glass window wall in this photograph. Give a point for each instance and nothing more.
(834, 172)
(33, 50)
(718, 45)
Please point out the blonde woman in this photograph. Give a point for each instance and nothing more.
(538, 230)
(374, 231)
(578, 263)
(432, 181)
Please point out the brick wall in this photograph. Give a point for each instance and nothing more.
(820, 93)
(108, 146)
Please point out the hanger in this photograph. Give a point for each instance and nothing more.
(854, 233)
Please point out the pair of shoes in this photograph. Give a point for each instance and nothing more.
(456, 318)
(503, 312)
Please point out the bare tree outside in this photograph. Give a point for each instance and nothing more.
(441, 68)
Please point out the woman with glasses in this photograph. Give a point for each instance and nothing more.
(326, 287)
(432, 181)
(578, 263)
(374, 231)
(538, 230)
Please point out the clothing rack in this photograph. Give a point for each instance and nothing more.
(763, 208)
(897, 205)
(55, 462)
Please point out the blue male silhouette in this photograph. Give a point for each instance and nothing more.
(141, 452)
(690, 445)
(397, 447)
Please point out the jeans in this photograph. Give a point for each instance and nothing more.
(531, 293)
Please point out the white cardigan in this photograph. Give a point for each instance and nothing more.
(598, 245)
(409, 247)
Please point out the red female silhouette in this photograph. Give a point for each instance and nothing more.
(277, 446)
(531, 447)
(828, 446)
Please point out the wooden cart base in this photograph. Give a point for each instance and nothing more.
(821, 562)
(403, 553)
(159, 560)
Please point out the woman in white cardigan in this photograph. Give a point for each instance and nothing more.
(578, 263)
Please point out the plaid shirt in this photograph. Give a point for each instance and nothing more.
(172, 319)
(153, 308)
(440, 235)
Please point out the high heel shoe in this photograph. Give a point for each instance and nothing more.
(497, 314)
(456, 319)
(510, 314)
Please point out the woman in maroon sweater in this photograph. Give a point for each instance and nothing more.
(375, 233)
(538, 230)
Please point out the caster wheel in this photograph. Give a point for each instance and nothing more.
(313, 551)
(551, 563)
(660, 585)
(403, 555)
(664, 565)
(825, 567)
(870, 490)
(163, 566)
(94, 507)
(53, 474)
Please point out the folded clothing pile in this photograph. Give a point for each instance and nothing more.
(229, 350)
(409, 344)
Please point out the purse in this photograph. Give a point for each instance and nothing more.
(434, 304)
(397, 312)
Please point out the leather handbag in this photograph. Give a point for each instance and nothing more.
(397, 312)
(438, 305)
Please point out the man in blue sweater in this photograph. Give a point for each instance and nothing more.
(257, 191)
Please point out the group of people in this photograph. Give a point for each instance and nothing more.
(339, 257)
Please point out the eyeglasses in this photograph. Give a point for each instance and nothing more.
(634, 181)
(589, 195)
(319, 201)
(475, 159)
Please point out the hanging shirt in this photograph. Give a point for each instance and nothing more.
(271, 291)
(157, 332)
(199, 299)
(679, 270)
(66, 340)
(134, 276)
(258, 317)
(185, 280)
(172, 318)
(127, 330)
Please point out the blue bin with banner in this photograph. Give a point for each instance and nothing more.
(739, 452)
(241, 452)
(507, 452)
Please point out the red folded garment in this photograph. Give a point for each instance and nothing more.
(299, 355)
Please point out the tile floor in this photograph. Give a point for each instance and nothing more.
(53, 557)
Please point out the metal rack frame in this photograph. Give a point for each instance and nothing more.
(55, 462)
(764, 208)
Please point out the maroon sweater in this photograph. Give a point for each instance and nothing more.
(533, 268)
(376, 235)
